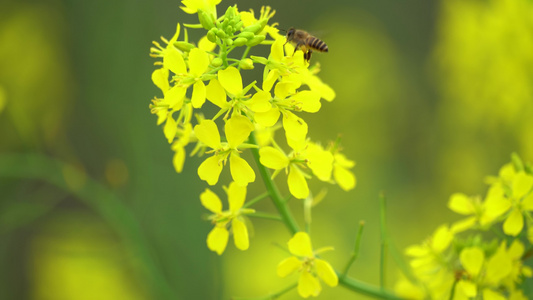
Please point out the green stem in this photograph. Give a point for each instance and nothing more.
(355, 252)
(384, 242)
(273, 191)
(264, 216)
(256, 199)
(365, 288)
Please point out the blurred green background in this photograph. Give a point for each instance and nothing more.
(432, 96)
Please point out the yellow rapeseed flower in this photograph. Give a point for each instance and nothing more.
(217, 239)
(304, 260)
(237, 130)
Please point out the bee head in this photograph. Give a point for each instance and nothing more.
(290, 33)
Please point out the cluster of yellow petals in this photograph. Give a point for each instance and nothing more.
(308, 265)
(217, 239)
(474, 269)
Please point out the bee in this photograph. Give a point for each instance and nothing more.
(305, 42)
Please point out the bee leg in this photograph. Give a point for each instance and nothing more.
(297, 47)
(307, 56)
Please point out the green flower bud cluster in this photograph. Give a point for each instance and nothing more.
(224, 31)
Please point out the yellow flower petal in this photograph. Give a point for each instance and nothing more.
(295, 127)
(210, 170)
(468, 288)
(284, 89)
(198, 94)
(238, 129)
(463, 225)
(269, 80)
(288, 266)
(472, 259)
(300, 245)
(441, 238)
(514, 223)
(310, 101)
(170, 129)
(491, 295)
(320, 162)
(241, 172)
(325, 271)
(522, 184)
(498, 266)
(174, 97)
(308, 285)
(207, 133)
(273, 158)
(230, 78)
(173, 60)
(516, 250)
(240, 234)
(268, 118)
(160, 79)
(198, 62)
(260, 102)
(276, 50)
(216, 94)
(461, 204)
(527, 203)
(495, 203)
(217, 239)
(236, 196)
(344, 178)
(297, 183)
(179, 159)
(206, 44)
(211, 201)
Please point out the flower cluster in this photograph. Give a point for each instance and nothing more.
(211, 72)
(457, 263)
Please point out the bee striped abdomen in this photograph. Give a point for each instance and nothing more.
(317, 44)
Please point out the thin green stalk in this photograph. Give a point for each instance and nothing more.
(384, 242)
(272, 189)
(256, 199)
(265, 216)
(355, 252)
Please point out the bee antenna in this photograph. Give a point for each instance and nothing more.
(283, 30)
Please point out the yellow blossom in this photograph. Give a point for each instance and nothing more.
(217, 239)
(237, 130)
(304, 260)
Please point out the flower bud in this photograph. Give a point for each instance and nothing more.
(255, 41)
(238, 25)
(211, 35)
(247, 35)
(253, 28)
(230, 13)
(229, 42)
(240, 42)
(183, 46)
(246, 64)
(216, 62)
(206, 20)
(221, 34)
